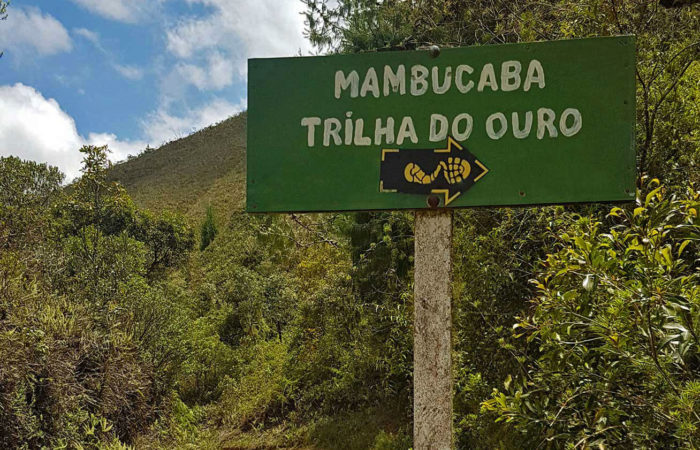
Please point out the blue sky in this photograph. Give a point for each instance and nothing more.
(128, 73)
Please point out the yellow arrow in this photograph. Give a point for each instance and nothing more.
(388, 150)
(450, 143)
(448, 199)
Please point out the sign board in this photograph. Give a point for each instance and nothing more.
(514, 124)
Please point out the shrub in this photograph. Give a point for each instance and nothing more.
(610, 350)
(208, 231)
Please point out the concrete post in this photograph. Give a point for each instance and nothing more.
(432, 332)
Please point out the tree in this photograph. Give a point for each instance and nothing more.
(208, 230)
(27, 192)
(105, 207)
(3, 14)
(91, 333)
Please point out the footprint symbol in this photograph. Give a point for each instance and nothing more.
(455, 170)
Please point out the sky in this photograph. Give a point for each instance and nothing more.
(130, 73)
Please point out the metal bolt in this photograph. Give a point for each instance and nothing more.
(434, 51)
(433, 201)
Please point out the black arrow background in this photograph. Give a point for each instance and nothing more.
(392, 170)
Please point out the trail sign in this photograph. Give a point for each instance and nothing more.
(549, 122)
(456, 170)
(535, 123)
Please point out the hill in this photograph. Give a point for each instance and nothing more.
(187, 175)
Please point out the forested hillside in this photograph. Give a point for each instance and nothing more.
(153, 313)
(188, 174)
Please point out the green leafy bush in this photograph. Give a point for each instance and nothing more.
(90, 334)
(610, 350)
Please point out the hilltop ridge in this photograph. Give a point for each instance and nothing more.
(188, 174)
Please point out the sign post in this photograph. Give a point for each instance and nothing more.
(494, 125)
(432, 331)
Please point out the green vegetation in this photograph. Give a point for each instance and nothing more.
(574, 326)
(208, 230)
(187, 175)
(90, 337)
(609, 351)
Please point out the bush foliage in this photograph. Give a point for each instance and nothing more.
(609, 353)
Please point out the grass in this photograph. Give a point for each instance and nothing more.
(378, 428)
(374, 428)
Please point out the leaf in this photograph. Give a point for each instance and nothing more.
(506, 383)
(529, 406)
(676, 326)
(651, 195)
(682, 247)
(615, 212)
(667, 340)
(679, 302)
(637, 247)
(666, 253)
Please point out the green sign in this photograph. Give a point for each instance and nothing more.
(514, 124)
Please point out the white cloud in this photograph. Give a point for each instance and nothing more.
(29, 28)
(218, 74)
(238, 30)
(119, 149)
(36, 128)
(129, 11)
(263, 28)
(89, 35)
(162, 126)
(127, 71)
